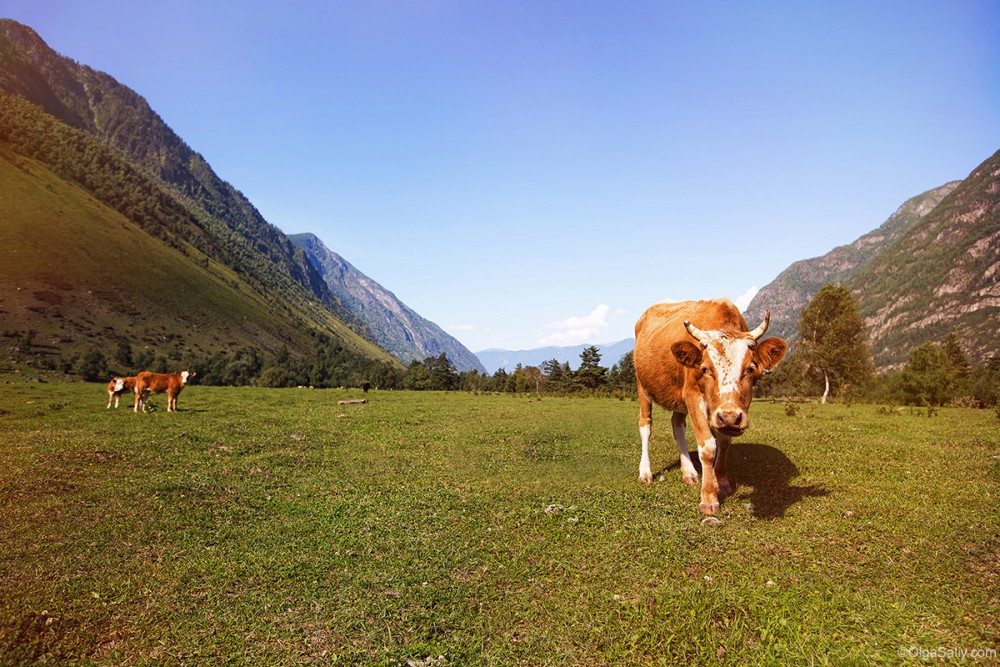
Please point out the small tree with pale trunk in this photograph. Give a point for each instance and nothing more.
(832, 339)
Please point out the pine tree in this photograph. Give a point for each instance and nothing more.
(928, 378)
(443, 374)
(956, 356)
(590, 374)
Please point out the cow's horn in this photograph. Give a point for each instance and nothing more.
(696, 333)
(759, 331)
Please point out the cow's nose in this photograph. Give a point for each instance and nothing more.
(730, 419)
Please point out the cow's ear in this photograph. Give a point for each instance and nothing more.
(688, 354)
(769, 352)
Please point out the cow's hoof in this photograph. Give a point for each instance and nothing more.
(690, 480)
(646, 477)
(709, 508)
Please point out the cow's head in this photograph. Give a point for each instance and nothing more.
(186, 375)
(726, 365)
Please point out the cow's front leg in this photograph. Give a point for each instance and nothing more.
(706, 453)
(645, 427)
(722, 466)
(709, 482)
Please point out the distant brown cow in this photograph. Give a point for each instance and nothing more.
(154, 383)
(697, 359)
(119, 386)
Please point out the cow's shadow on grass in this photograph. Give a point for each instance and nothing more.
(761, 475)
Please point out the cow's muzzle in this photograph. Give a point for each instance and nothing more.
(730, 422)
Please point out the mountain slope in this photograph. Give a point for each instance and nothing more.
(393, 325)
(250, 282)
(494, 359)
(222, 223)
(794, 288)
(941, 277)
(81, 275)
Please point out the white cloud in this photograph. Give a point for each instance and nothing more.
(576, 330)
(743, 300)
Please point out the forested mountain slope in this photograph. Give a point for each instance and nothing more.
(86, 159)
(119, 118)
(795, 287)
(95, 132)
(941, 277)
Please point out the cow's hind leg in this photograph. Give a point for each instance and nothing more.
(645, 428)
(679, 423)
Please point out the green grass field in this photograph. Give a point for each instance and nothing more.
(275, 527)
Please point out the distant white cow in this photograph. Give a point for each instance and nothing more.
(119, 386)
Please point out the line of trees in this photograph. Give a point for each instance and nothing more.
(552, 376)
(332, 366)
(830, 359)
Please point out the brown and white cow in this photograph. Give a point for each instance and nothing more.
(698, 359)
(119, 386)
(147, 383)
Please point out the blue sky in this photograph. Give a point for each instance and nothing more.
(533, 173)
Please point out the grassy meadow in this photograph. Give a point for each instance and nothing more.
(276, 527)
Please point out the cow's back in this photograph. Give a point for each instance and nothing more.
(150, 381)
(143, 379)
(656, 369)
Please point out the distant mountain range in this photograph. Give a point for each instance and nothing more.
(393, 325)
(185, 265)
(495, 359)
(931, 269)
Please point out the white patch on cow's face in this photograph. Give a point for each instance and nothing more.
(119, 384)
(184, 377)
(727, 355)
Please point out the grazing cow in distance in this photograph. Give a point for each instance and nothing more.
(698, 360)
(119, 386)
(147, 383)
